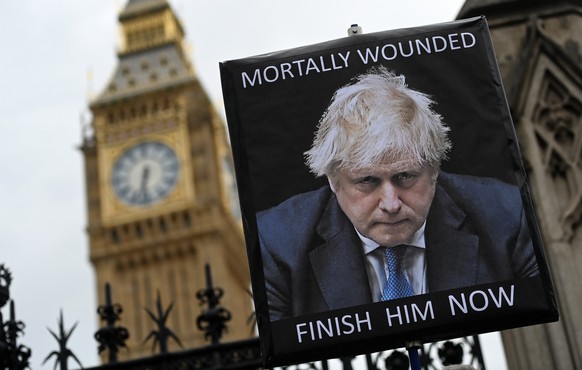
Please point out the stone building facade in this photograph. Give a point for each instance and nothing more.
(539, 50)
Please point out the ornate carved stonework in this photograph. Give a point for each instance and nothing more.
(538, 45)
(558, 131)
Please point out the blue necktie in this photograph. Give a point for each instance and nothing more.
(396, 286)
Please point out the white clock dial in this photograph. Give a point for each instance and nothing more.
(145, 174)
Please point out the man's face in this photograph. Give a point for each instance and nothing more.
(387, 203)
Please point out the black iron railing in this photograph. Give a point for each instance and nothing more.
(212, 321)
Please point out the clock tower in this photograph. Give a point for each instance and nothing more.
(160, 196)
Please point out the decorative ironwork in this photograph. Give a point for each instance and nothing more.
(63, 354)
(213, 320)
(111, 337)
(12, 355)
(235, 355)
(161, 335)
(5, 281)
(465, 350)
(559, 138)
(397, 361)
(451, 353)
(241, 355)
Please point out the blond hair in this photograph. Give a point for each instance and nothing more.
(374, 118)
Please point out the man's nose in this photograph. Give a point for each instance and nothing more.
(390, 198)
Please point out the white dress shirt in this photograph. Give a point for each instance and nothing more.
(414, 264)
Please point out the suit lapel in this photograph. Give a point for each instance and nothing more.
(338, 262)
(451, 253)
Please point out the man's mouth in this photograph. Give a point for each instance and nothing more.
(393, 223)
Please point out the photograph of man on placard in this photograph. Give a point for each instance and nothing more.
(389, 223)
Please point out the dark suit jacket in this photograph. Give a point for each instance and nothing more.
(313, 260)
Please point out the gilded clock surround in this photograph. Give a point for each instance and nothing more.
(116, 211)
(145, 173)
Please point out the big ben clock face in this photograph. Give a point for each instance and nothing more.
(145, 174)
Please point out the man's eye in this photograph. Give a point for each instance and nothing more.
(367, 180)
(403, 177)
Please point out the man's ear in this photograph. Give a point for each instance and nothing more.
(331, 182)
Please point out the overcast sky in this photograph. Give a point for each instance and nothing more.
(49, 50)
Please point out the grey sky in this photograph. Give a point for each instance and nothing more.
(49, 50)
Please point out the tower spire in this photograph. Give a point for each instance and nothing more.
(148, 23)
(152, 54)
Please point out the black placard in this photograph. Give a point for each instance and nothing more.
(274, 103)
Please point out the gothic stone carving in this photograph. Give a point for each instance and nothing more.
(558, 130)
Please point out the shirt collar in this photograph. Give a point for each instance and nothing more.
(417, 240)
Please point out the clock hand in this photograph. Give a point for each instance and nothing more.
(145, 174)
